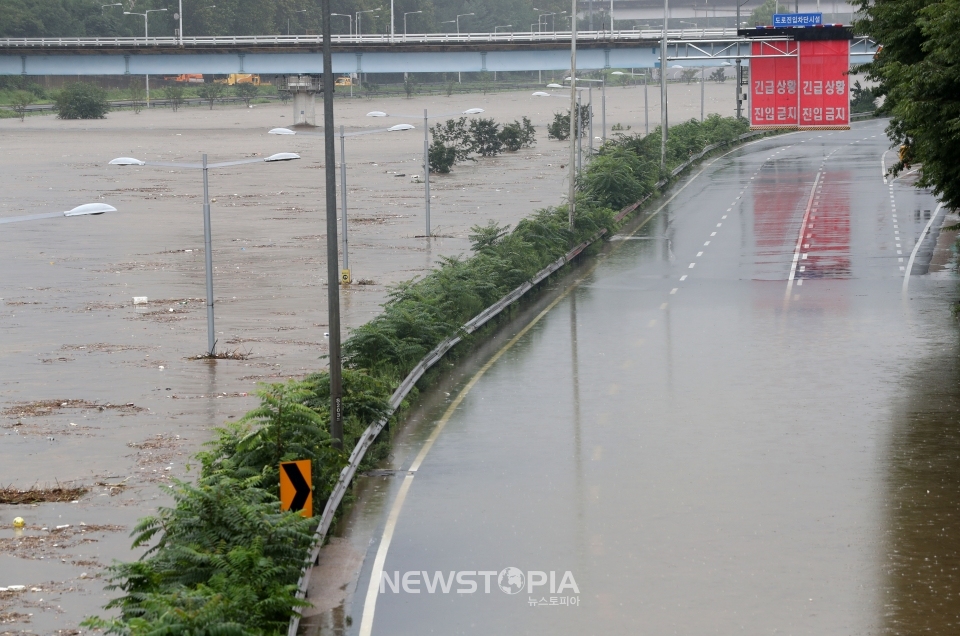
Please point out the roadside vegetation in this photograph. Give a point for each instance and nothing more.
(223, 558)
(916, 72)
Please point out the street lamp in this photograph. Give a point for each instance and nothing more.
(426, 149)
(345, 270)
(449, 22)
(348, 16)
(86, 209)
(540, 20)
(146, 36)
(405, 22)
(505, 26)
(360, 14)
(207, 238)
(462, 15)
(115, 4)
(288, 19)
(603, 107)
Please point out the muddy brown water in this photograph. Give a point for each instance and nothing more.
(136, 406)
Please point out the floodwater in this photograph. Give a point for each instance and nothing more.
(98, 392)
(700, 445)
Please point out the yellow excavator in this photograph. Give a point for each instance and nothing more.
(240, 78)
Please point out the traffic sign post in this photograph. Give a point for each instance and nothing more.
(296, 491)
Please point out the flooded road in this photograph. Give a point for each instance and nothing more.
(735, 422)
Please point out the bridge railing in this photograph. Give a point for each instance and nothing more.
(377, 38)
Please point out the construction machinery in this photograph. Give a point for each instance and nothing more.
(240, 78)
(187, 78)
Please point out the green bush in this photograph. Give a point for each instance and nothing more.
(485, 137)
(618, 178)
(20, 101)
(81, 100)
(211, 92)
(246, 91)
(175, 95)
(442, 157)
(518, 135)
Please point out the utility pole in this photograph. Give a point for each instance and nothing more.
(333, 277)
(663, 89)
(572, 195)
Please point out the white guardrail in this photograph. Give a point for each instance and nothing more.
(419, 38)
(369, 435)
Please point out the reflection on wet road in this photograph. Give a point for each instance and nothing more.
(704, 447)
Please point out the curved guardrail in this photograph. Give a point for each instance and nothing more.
(370, 434)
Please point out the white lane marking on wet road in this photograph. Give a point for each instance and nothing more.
(913, 254)
(699, 254)
(674, 290)
(692, 265)
(803, 224)
(683, 278)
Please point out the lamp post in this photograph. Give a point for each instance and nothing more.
(426, 149)
(288, 19)
(405, 22)
(345, 271)
(115, 4)
(360, 14)
(540, 20)
(462, 15)
(146, 35)
(603, 107)
(347, 16)
(505, 26)
(663, 89)
(87, 209)
(572, 193)
(207, 232)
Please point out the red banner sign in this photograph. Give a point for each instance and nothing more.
(774, 85)
(800, 85)
(824, 90)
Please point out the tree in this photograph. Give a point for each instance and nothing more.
(211, 91)
(718, 76)
(862, 100)
(442, 157)
(246, 91)
(20, 101)
(81, 100)
(409, 84)
(917, 75)
(485, 134)
(689, 74)
(518, 135)
(137, 93)
(175, 95)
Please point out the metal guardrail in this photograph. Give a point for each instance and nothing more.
(372, 431)
(412, 38)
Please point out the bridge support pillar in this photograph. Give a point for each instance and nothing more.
(303, 89)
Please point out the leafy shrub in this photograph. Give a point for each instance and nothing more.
(618, 178)
(485, 137)
(20, 101)
(718, 76)
(246, 91)
(175, 95)
(862, 100)
(410, 85)
(442, 157)
(211, 91)
(559, 128)
(454, 134)
(81, 100)
(518, 135)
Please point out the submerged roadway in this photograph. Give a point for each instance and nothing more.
(723, 424)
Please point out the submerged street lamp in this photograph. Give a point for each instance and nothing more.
(207, 233)
(87, 209)
(345, 270)
(426, 147)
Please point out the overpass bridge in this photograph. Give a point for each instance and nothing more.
(413, 53)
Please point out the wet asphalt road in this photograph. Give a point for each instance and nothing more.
(707, 448)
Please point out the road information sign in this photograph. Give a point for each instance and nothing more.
(824, 94)
(774, 85)
(800, 85)
(295, 487)
(797, 19)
